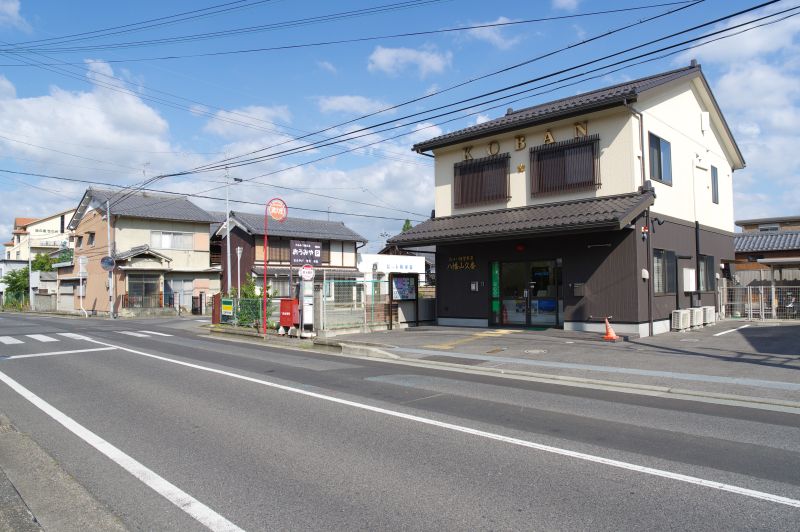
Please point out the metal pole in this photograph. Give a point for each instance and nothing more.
(30, 273)
(239, 271)
(228, 230)
(111, 290)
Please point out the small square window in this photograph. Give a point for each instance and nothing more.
(91, 239)
(79, 242)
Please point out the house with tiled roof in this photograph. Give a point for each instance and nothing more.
(614, 202)
(768, 251)
(158, 248)
(333, 244)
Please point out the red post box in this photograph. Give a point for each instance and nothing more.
(290, 315)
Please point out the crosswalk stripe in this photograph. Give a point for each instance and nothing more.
(42, 338)
(9, 340)
(156, 333)
(74, 336)
(131, 333)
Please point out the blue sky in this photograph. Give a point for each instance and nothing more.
(113, 113)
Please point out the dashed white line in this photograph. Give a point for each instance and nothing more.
(778, 499)
(156, 333)
(9, 340)
(162, 486)
(42, 338)
(131, 333)
(731, 330)
(74, 336)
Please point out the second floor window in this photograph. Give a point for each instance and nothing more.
(79, 242)
(481, 181)
(714, 185)
(91, 239)
(170, 240)
(660, 160)
(565, 166)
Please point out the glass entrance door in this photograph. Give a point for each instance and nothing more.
(526, 293)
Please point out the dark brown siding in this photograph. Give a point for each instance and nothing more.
(238, 238)
(608, 270)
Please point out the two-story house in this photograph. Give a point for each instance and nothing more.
(768, 251)
(615, 202)
(32, 236)
(159, 247)
(338, 245)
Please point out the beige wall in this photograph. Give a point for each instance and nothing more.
(46, 237)
(132, 232)
(784, 226)
(617, 169)
(673, 112)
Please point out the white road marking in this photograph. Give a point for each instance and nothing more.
(74, 336)
(131, 333)
(52, 353)
(731, 330)
(203, 321)
(42, 338)
(163, 487)
(156, 333)
(484, 434)
(8, 340)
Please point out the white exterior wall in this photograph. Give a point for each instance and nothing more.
(132, 232)
(673, 112)
(45, 235)
(619, 138)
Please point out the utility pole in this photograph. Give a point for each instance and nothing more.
(30, 273)
(228, 229)
(111, 291)
(239, 271)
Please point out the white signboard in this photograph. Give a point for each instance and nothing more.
(369, 262)
(83, 261)
(689, 280)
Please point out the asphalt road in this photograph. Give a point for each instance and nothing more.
(179, 429)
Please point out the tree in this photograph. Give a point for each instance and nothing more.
(65, 255)
(42, 263)
(17, 282)
(407, 225)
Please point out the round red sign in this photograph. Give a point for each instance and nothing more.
(306, 272)
(277, 209)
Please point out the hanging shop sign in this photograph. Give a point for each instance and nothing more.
(305, 252)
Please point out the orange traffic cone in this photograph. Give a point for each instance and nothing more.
(610, 336)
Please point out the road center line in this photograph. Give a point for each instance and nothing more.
(163, 487)
(53, 353)
(731, 330)
(484, 434)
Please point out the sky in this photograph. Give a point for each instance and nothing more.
(156, 94)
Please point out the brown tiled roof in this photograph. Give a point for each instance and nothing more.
(22, 222)
(8, 244)
(608, 212)
(558, 109)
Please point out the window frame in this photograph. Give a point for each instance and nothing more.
(714, 185)
(476, 169)
(90, 239)
(536, 179)
(707, 268)
(79, 241)
(668, 273)
(657, 164)
(182, 234)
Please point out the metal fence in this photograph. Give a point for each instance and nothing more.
(760, 302)
(365, 304)
(248, 312)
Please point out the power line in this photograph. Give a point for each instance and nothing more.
(204, 36)
(194, 195)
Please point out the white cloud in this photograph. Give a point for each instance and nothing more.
(9, 15)
(494, 35)
(350, 104)
(249, 122)
(326, 65)
(394, 61)
(480, 119)
(569, 5)
(7, 89)
(579, 31)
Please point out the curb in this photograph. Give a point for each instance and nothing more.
(372, 351)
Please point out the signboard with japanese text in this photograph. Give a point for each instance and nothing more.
(404, 288)
(304, 252)
(461, 263)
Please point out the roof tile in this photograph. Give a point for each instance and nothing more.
(767, 241)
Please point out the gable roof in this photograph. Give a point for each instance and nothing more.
(596, 100)
(22, 222)
(136, 251)
(141, 204)
(292, 227)
(767, 241)
(606, 212)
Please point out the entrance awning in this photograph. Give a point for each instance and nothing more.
(590, 214)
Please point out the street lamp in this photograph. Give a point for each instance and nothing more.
(239, 271)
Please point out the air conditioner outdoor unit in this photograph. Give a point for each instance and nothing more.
(697, 317)
(681, 320)
(709, 315)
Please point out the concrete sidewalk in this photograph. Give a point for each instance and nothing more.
(755, 361)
